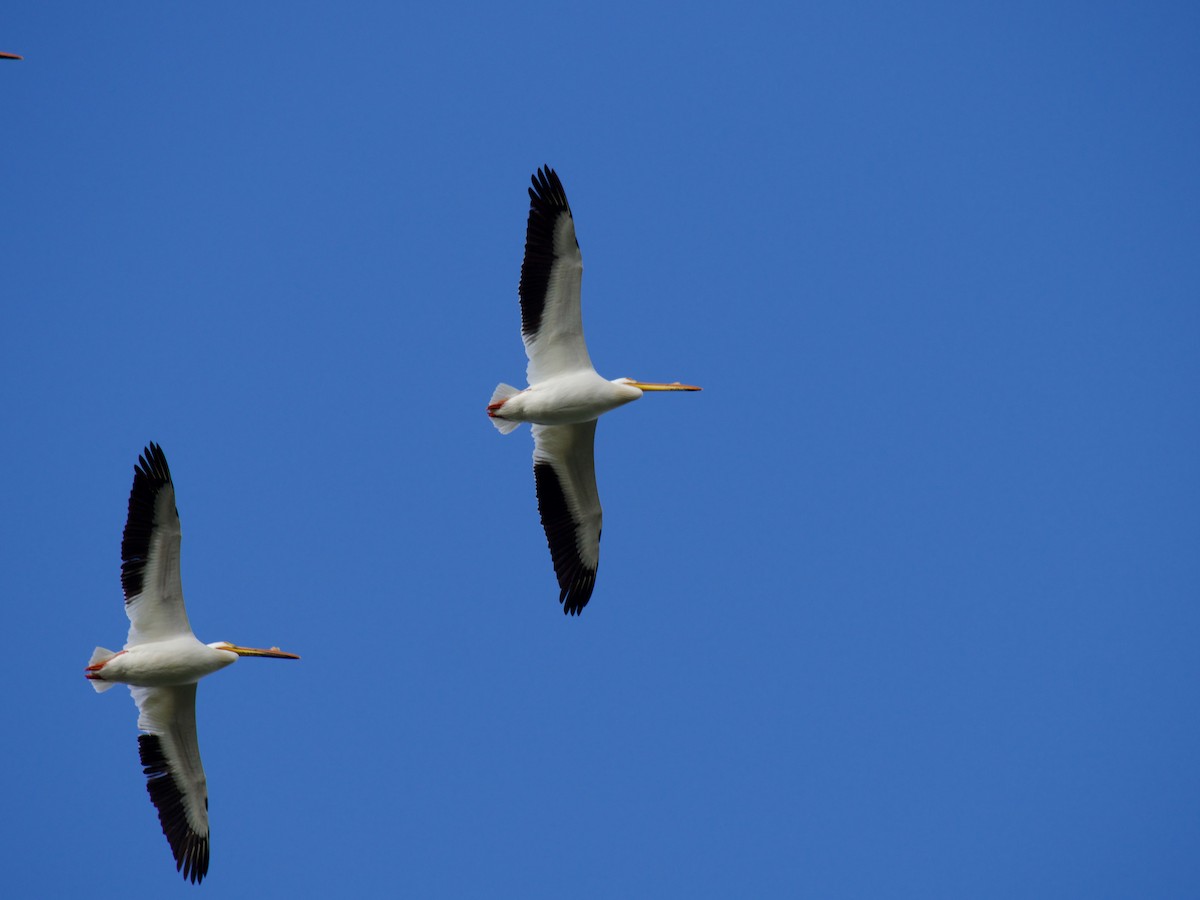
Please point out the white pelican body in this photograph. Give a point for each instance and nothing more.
(162, 661)
(565, 395)
(178, 660)
(570, 399)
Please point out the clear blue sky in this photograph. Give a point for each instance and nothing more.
(904, 604)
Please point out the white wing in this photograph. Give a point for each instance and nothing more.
(150, 554)
(564, 469)
(551, 273)
(170, 757)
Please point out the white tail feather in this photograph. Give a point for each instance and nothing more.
(101, 655)
(502, 393)
(499, 395)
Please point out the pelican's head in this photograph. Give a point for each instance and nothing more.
(273, 653)
(654, 386)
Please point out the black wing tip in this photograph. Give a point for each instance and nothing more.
(547, 194)
(575, 596)
(547, 204)
(150, 475)
(152, 465)
(189, 848)
(575, 580)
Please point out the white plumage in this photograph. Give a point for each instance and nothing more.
(565, 395)
(162, 661)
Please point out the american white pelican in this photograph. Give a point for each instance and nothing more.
(565, 395)
(162, 661)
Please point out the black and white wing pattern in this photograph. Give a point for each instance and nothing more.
(551, 274)
(564, 470)
(175, 780)
(150, 554)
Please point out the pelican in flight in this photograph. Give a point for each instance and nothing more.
(162, 661)
(565, 395)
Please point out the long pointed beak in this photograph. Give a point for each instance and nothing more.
(656, 386)
(10, 56)
(273, 653)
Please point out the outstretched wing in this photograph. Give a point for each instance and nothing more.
(551, 324)
(150, 554)
(174, 775)
(565, 472)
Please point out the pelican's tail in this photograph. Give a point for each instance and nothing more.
(502, 393)
(99, 657)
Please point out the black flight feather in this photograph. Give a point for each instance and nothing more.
(547, 204)
(575, 579)
(190, 849)
(150, 475)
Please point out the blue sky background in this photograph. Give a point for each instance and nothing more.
(903, 604)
